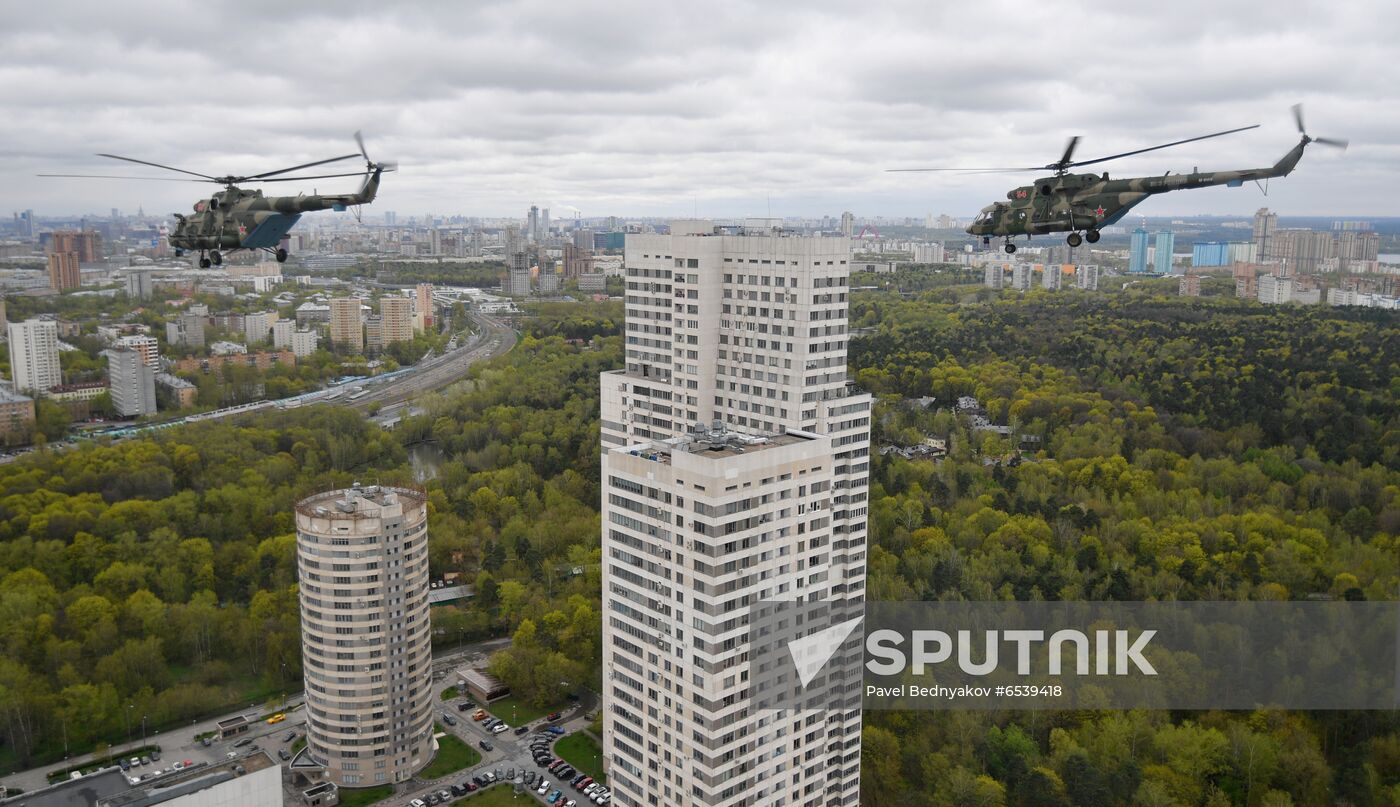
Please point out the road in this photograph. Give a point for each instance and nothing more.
(179, 744)
(495, 339)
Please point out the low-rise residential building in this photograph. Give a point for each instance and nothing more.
(263, 360)
(16, 417)
(304, 343)
(174, 391)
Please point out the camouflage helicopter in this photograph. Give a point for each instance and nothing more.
(1072, 202)
(235, 218)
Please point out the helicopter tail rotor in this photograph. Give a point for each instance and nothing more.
(1302, 130)
(371, 165)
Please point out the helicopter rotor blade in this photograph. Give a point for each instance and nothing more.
(157, 165)
(360, 140)
(1068, 157)
(109, 176)
(1298, 118)
(1340, 143)
(1163, 146)
(297, 167)
(316, 176)
(963, 170)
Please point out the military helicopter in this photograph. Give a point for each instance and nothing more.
(1071, 202)
(235, 218)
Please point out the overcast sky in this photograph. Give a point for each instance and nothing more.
(722, 108)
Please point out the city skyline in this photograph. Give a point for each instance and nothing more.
(577, 109)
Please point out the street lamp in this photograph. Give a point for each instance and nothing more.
(126, 720)
(143, 730)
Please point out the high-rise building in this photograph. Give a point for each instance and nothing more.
(1137, 252)
(583, 239)
(1054, 275)
(186, 330)
(848, 224)
(87, 244)
(132, 383)
(366, 640)
(139, 284)
(282, 331)
(1265, 223)
(544, 226)
(64, 272)
(1303, 252)
(256, 327)
(347, 330)
(532, 224)
(994, 275)
(1162, 255)
(374, 334)
(1210, 253)
(1275, 290)
(396, 315)
(34, 366)
(1189, 286)
(746, 333)
(147, 346)
(1086, 277)
(517, 274)
(1021, 277)
(423, 307)
(304, 343)
(1246, 280)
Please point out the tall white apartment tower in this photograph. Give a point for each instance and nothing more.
(34, 363)
(733, 417)
(366, 642)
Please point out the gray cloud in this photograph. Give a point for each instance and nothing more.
(635, 108)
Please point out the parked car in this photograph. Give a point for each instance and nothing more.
(553, 796)
(543, 787)
(552, 717)
(431, 799)
(449, 719)
(155, 755)
(464, 707)
(417, 803)
(479, 714)
(486, 745)
(126, 766)
(530, 778)
(207, 741)
(145, 760)
(243, 742)
(471, 786)
(284, 754)
(559, 730)
(289, 736)
(444, 796)
(571, 803)
(500, 727)
(277, 718)
(522, 729)
(458, 789)
(510, 773)
(478, 781)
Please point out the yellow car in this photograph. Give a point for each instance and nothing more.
(277, 718)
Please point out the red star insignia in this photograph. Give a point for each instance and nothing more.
(243, 230)
(1099, 211)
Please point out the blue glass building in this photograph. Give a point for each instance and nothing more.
(1162, 259)
(1137, 252)
(1210, 253)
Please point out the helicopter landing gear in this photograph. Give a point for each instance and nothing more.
(1092, 236)
(204, 263)
(280, 255)
(1073, 239)
(217, 258)
(179, 253)
(1010, 247)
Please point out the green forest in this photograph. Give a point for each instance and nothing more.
(1160, 449)
(1186, 450)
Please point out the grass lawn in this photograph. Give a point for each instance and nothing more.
(452, 756)
(582, 752)
(361, 796)
(498, 796)
(450, 693)
(518, 712)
